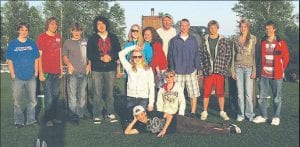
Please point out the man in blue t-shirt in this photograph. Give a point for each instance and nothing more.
(22, 59)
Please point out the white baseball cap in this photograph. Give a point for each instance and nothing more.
(138, 110)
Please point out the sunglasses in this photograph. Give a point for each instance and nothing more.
(171, 76)
(132, 30)
(135, 57)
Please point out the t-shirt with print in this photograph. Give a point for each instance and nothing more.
(50, 47)
(23, 56)
(212, 46)
(269, 60)
(75, 50)
(155, 123)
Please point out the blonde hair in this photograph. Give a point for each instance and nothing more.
(247, 23)
(140, 38)
(144, 64)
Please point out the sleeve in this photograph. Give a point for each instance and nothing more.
(36, 53)
(233, 58)
(151, 86)
(65, 49)
(9, 52)
(116, 48)
(228, 53)
(253, 55)
(92, 53)
(39, 43)
(147, 51)
(170, 55)
(159, 103)
(197, 57)
(122, 57)
(182, 103)
(285, 55)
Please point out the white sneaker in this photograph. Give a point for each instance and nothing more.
(259, 119)
(97, 121)
(224, 115)
(275, 121)
(239, 118)
(112, 118)
(204, 115)
(234, 129)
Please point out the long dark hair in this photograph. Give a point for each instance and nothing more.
(155, 36)
(104, 20)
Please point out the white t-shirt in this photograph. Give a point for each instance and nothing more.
(166, 36)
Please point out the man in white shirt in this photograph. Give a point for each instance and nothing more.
(166, 32)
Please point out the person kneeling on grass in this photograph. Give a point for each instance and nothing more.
(161, 123)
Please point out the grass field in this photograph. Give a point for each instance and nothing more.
(86, 134)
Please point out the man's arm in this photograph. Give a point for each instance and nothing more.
(129, 130)
(41, 72)
(168, 118)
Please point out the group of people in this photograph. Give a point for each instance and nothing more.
(159, 65)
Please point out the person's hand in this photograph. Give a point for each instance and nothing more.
(12, 76)
(162, 133)
(106, 58)
(70, 69)
(119, 75)
(42, 77)
(138, 48)
(233, 75)
(88, 69)
(253, 75)
(150, 108)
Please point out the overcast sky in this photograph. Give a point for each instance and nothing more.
(198, 12)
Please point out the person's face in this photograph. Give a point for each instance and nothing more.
(184, 26)
(101, 26)
(76, 34)
(170, 78)
(244, 28)
(213, 30)
(148, 36)
(270, 31)
(141, 117)
(52, 27)
(23, 32)
(137, 58)
(134, 32)
(167, 23)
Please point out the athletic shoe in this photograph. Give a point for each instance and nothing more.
(18, 126)
(112, 118)
(240, 118)
(275, 121)
(234, 129)
(224, 115)
(204, 115)
(35, 123)
(259, 119)
(49, 123)
(191, 115)
(97, 121)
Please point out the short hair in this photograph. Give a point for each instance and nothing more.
(102, 19)
(184, 19)
(76, 26)
(271, 23)
(49, 20)
(169, 72)
(212, 22)
(23, 24)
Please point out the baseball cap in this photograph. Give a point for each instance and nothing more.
(167, 15)
(138, 110)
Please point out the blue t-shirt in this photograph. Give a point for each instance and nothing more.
(23, 55)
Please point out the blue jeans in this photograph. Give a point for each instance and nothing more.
(245, 92)
(103, 85)
(77, 93)
(17, 88)
(276, 85)
(51, 91)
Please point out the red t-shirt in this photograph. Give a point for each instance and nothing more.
(50, 47)
(159, 58)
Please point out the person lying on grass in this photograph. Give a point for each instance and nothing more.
(162, 123)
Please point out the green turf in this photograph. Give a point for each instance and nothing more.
(86, 134)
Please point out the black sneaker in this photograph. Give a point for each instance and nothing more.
(191, 115)
(234, 128)
(18, 126)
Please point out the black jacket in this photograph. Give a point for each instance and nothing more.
(94, 55)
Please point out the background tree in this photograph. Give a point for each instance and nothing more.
(259, 12)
